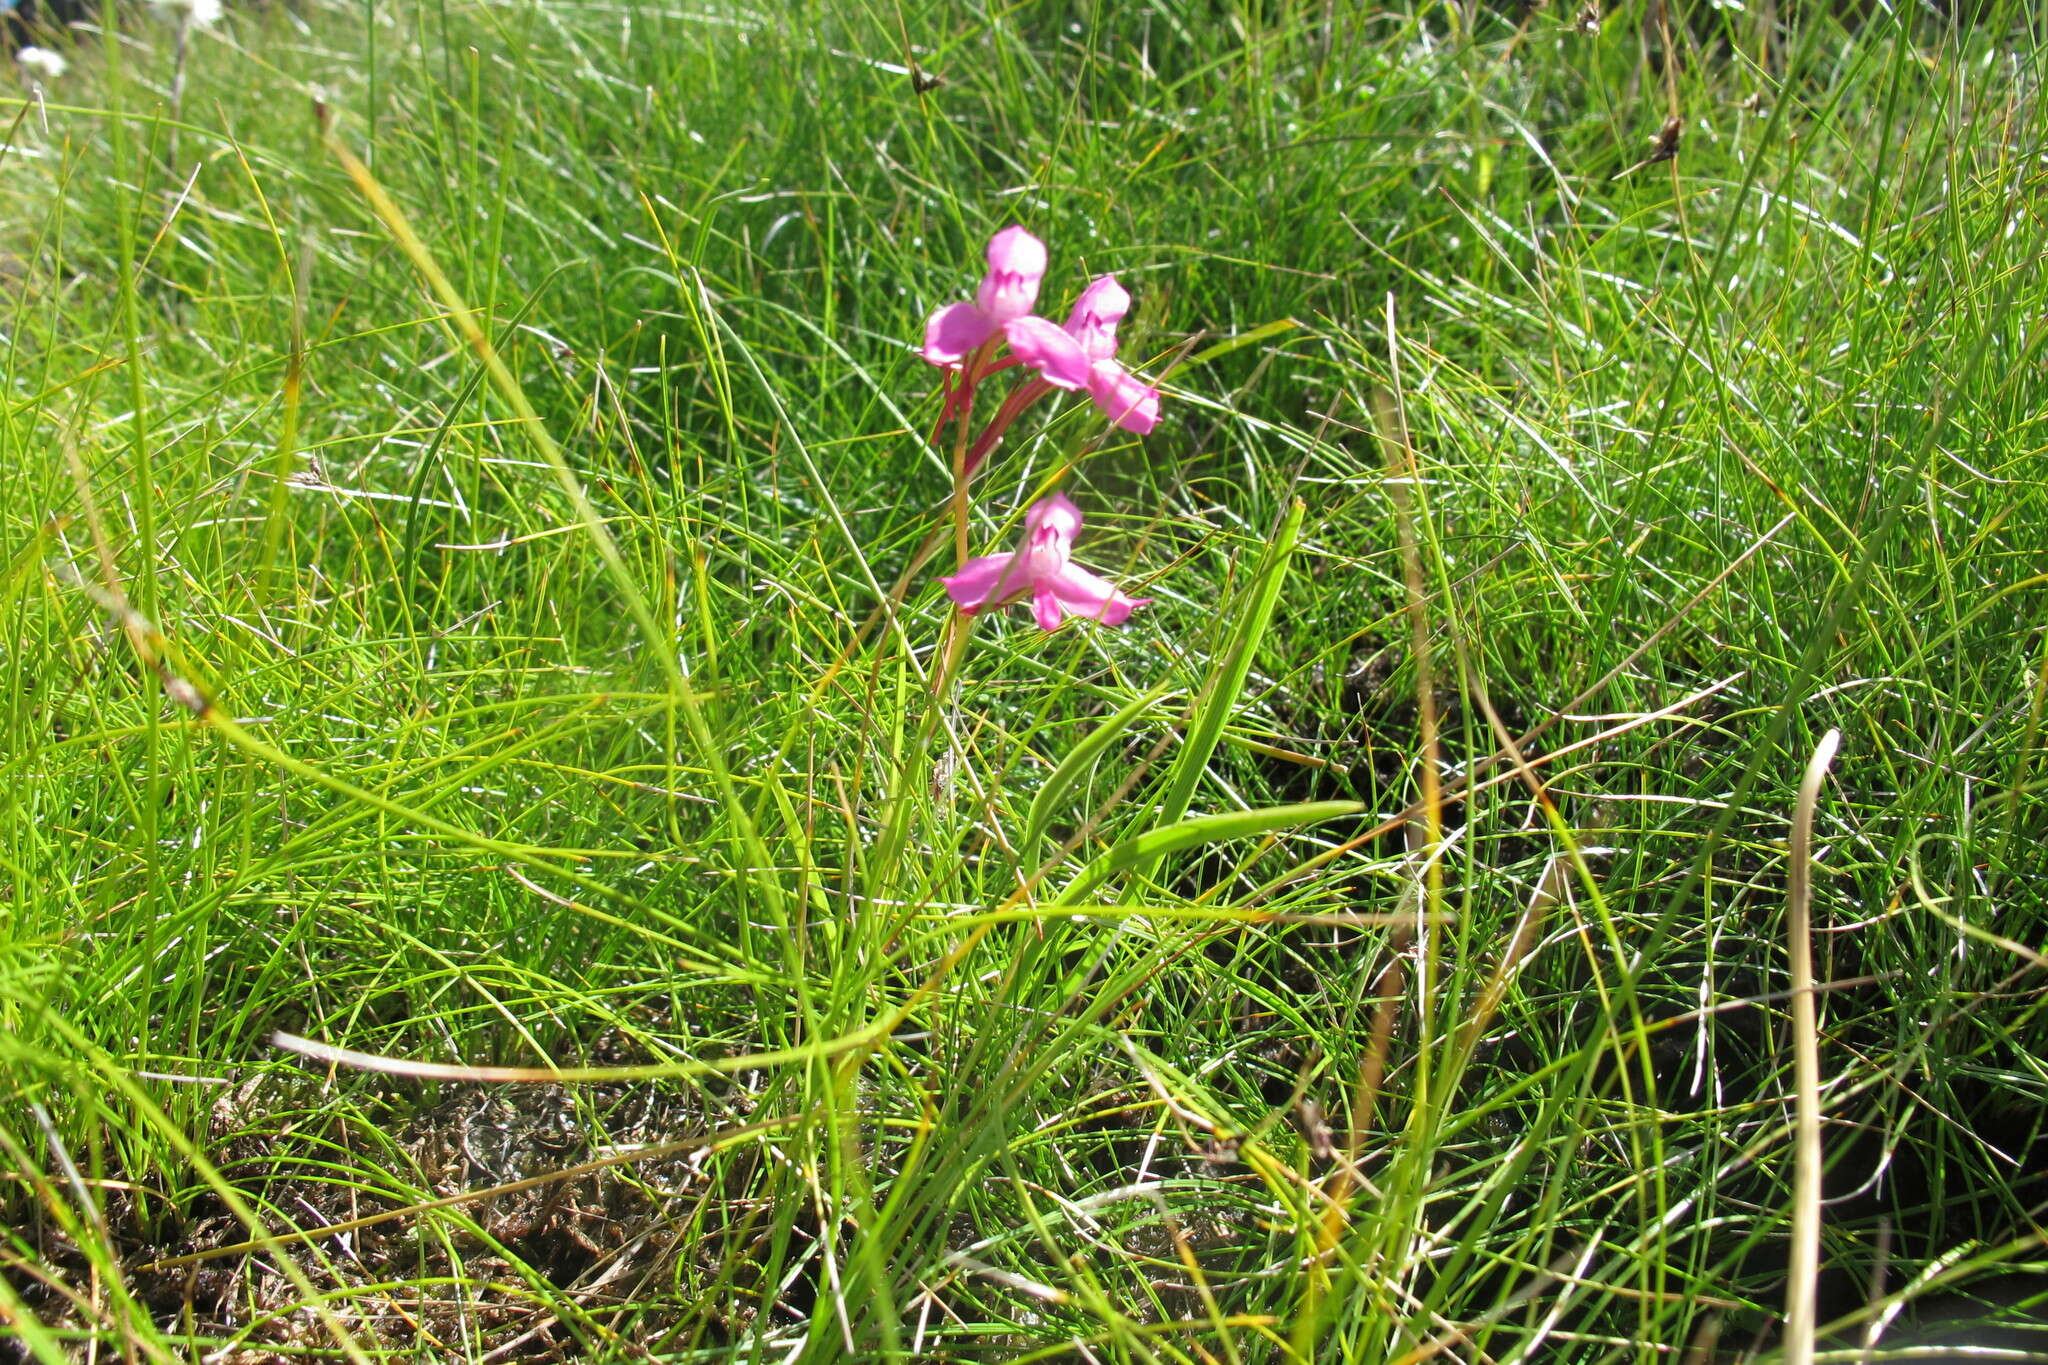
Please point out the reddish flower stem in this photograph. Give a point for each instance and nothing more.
(970, 377)
(1020, 398)
(959, 390)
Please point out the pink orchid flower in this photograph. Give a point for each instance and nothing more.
(1042, 571)
(1016, 263)
(1082, 355)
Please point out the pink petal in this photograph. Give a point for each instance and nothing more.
(1042, 571)
(1084, 594)
(1057, 356)
(1049, 529)
(954, 332)
(1016, 263)
(1129, 401)
(1100, 308)
(1055, 510)
(978, 580)
(1016, 251)
(1045, 605)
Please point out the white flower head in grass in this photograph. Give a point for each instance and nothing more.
(196, 13)
(39, 64)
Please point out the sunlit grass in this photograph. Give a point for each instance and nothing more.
(1133, 999)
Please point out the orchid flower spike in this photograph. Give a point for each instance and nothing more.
(1016, 263)
(1043, 571)
(1082, 355)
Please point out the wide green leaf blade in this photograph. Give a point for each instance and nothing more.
(1142, 849)
(1046, 804)
(1226, 682)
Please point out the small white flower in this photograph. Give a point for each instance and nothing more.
(40, 64)
(197, 13)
